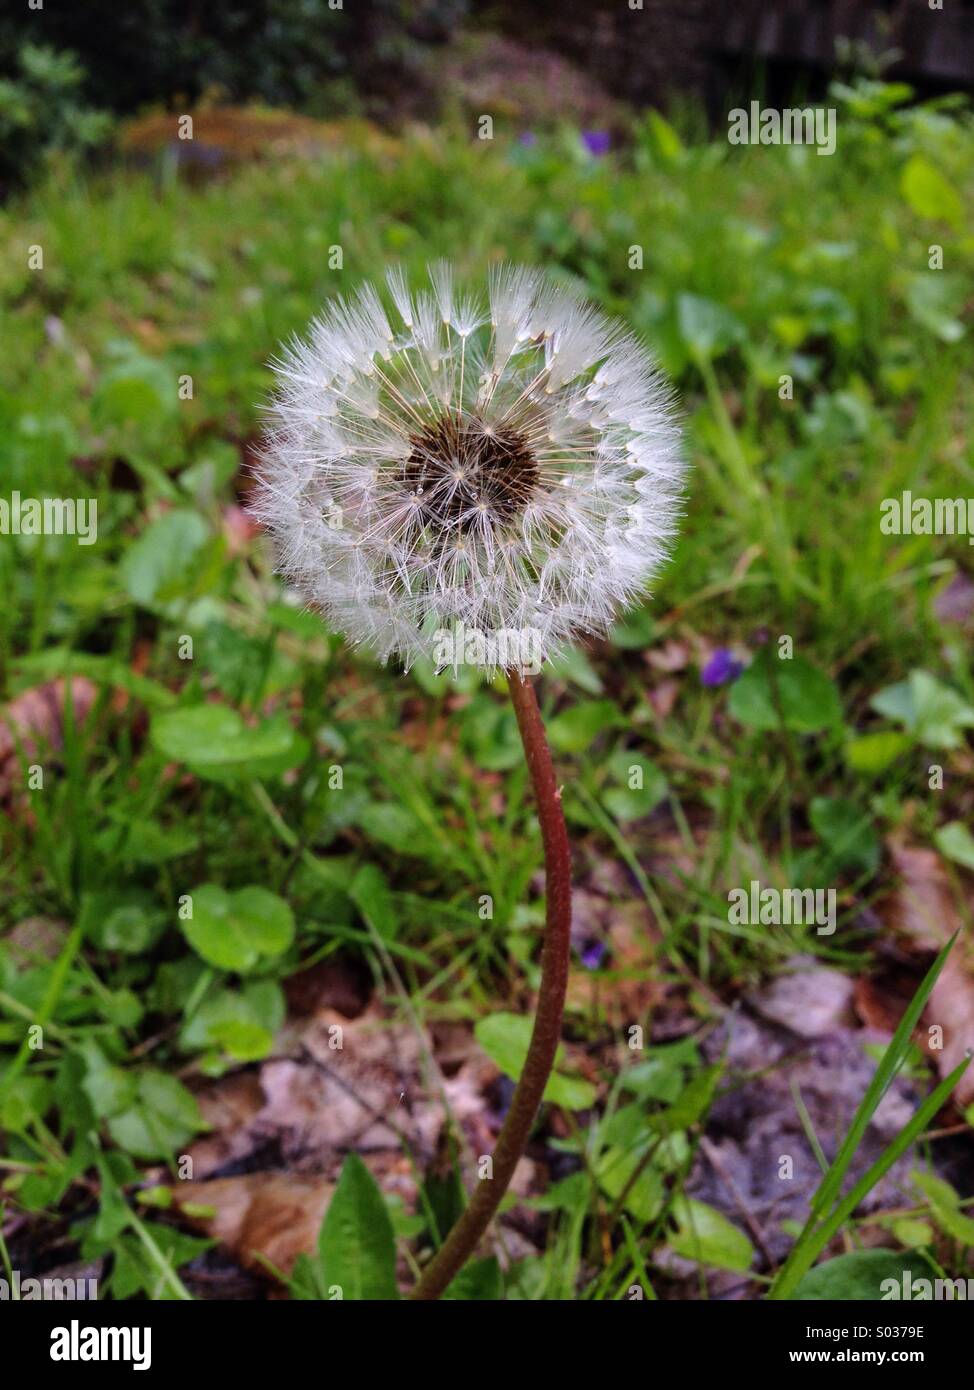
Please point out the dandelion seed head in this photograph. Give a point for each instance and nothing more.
(502, 467)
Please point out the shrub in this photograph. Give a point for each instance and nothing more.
(41, 111)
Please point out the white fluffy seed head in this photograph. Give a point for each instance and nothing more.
(491, 471)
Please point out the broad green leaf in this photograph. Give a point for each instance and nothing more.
(634, 630)
(619, 1169)
(573, 665)
(141, 841)
(705, 1235)
(121, 1007)
(911, 1232)
(707, 328)
(860, 1275)
(932, 712)
(874, 753)
(390, 824)
(110, 1089)
(666, 143)
(356, 1246)
(570, 1092)
(505, 1038)
(572, 1194)
(135, 390)
(126, 922)
(369, 891)
(27, 1104)
(929, 192)
(464, 679)
(480, 1280)
(243, 666)
(936, 301)
(212, 470)
(244, 1042)
(159, 565)
(490, 733)
(794, 693)
(216, 743)
(635, 786)
(136, 1269)
(848, 834)
(956, 842)
(574, 729)
(661, 1075)
(235, 930)
(162, 1120)
(945, 1206)
(240, 1022)
(691, 1105)
(302, 622)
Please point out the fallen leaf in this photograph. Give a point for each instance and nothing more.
(34, 939)
(810, 1000)
(664, 696)
(923, 907)
(955, 603)
(274, 1215)
(671, 656)
(36, 716)
(230, 1108)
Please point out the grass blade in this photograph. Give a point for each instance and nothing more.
(812, 1242)
(889, 1065)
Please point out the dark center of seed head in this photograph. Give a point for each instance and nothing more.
(455, 466)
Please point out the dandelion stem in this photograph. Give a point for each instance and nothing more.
(466, 1233)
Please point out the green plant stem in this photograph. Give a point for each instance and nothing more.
(546, 1035)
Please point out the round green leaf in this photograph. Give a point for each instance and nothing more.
(792, 693)
(635, 786)
(234, 930)
(574, 730)
(505, 1038)
(704, 1234)
(217, 744)
(163, 1119)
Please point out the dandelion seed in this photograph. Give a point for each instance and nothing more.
(516, 467)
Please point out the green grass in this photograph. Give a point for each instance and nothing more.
(757, 264)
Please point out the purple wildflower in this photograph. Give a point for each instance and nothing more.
(722, 667)
(596, 142)
(593, 954)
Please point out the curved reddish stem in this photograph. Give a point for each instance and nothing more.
(515, 1132)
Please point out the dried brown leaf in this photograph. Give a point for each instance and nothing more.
(924, 908)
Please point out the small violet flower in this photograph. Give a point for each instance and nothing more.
(722, 667)
(596, 142)
(592, 955)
